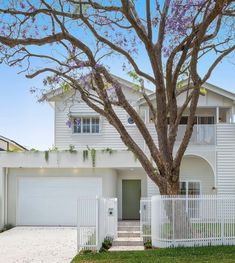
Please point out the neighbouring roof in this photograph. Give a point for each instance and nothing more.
(17, 145)
(59, 91)
(208, 86)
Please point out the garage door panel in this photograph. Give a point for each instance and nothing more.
(53, 201)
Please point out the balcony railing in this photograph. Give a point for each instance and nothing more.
(202, 134)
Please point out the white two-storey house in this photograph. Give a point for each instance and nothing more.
(89, 160)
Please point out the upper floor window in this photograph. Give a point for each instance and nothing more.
(198, 120)
(86, 125)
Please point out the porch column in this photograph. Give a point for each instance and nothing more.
(217, 114)
(2, 176)
(232, 114)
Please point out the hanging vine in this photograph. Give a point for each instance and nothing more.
(85, 154)
(93, 157)
(46, 155)
(72, 149)
(108, 150)
(92, 152)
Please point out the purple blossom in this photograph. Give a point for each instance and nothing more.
(69, 123)
(98, 65)
(77, 121)
(22, 5)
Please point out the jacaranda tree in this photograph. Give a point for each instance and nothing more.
(71, 41)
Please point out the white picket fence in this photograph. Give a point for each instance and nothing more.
(145, 219)
(96, 219)
(192, 221)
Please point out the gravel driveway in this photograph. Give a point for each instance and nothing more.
(38, 244)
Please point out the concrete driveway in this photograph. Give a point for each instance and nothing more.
(38, 244)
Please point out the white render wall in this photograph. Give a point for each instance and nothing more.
(109, 182)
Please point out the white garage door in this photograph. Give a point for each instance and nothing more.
(53, 201)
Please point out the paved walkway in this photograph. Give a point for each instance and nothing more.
(38, 244)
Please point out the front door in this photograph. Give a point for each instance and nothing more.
(131, 194)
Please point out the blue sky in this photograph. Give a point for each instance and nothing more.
(22, 118)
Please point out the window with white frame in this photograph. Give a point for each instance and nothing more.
(190, 188)
(86, 125)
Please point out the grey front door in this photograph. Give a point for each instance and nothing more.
(131, 194)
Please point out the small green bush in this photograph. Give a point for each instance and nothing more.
(148, 244)
(106, 245)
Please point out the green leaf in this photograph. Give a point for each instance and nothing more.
(134, 75)
(203, 91)
(65, 87)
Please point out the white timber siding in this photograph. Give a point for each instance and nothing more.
(72, 104)
(225, 158)
(108, 137)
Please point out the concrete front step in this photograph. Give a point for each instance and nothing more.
(128, 241)
(128, 233)
(129, 223)
(128, 228)
(126, 248)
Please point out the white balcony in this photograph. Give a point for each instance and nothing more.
(202, 134)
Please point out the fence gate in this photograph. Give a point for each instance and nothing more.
(96, 219)
(145, 219)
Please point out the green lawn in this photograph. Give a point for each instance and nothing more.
(220, 254)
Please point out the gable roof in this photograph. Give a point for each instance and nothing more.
(17, 145)
(49, 96)
(223, 92)
(219, 91)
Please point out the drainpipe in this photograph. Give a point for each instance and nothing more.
(6, 196)
(2, 196)
(232, 114)
(217, 115)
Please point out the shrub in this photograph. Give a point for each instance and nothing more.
(148, 244)
(106, 245)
